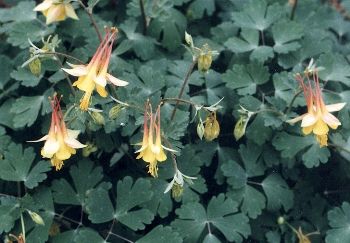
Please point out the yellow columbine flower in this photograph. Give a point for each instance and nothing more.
(94, 75)
(60, 143)
(56, 10)
(318, 118)
(211, 127)
(152, 151)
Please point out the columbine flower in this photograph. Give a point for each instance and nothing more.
(94, 75)
(56, 10)
(60, 143)
(177, 183)
(152, 150)
(318, 118)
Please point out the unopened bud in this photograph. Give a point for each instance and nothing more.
(35, 66)
(212, 127)
(98, 118)
(200, 130)
(114, 111)
(188, 39)
(90, 148)
(177, 190)
(280, 220)
(205, 58)
(36, 217)
(240, 127)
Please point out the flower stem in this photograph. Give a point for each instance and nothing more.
(23, 228)
(63, 55)
(292, 101)
(66, 76)
(293, 9)
(91, 19)
(144, 18)
(184, 84)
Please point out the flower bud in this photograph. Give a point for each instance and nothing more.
(200, 130)
(204, 62)
(212, 127)
(98, 118)
(36, 217)
(90, 148)
(35, 66)
(240, 127)
(114, 111)
(280, 220)
(188, 39)
(177, 190)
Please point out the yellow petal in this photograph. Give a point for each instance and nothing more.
(320, 128)
(308, 120)
(335, 107)
(43, 6)
(51, 146)
(307, 130)
(161, 156)
(55, 13)
(331, 120)
(70, 12)
(101, 90)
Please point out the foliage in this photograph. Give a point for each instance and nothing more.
(212, 188)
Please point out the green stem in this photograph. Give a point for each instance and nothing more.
(184, 84)
(292, 101)
(91, 19)
(23, 228)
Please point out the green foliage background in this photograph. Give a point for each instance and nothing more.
(242, 187)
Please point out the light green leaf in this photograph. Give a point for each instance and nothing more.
(169, 29)
(162, 235)
(79, 235)
(17, 166)
(85, 177)
(257, 15)
(23, 11)
(26, 78)
(26, 110)
(339, 221)
(245, 78)
(221, 213)
(285, 35)
(198, 8)
(336, 68)
(278, 193)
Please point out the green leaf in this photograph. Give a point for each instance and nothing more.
(26, 77)
(129, 196)
(79, 235)
(237, 176)
(257, 14)
(339, 221)
(85, 177)
(17, 166)
(291, 145)
(250, 42)
(26, 110)
(162, 235)
(198, 8)
(6, 68)
(336, 68)
(245, 78)
(278, 193)
(9, 213)
(221, 213)
(23, 11)
(169, 29)
(285, 35)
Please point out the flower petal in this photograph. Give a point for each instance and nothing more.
(101, 80)
(73, 133)
(73, 143)
(77, 70)
(43, 6)
(320, 128)
(51, 146)
(70, 12)
(331, 120)
(39, 140)
(55, 13)
(116, 81)
(308, 120)
(170, 185)
(296, 119)
(335, 107)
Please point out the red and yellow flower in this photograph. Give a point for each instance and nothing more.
(56, 10)
(94, 75)
(60, 142)
(318, 118)
(152, 150)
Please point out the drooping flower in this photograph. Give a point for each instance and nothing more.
(94, 75)
(177, 183)
(211, 127)
(60, 142)
(152, 149)
(318, 118)
(56, 10)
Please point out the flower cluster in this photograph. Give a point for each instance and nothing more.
(56, 10)
(60, 142)
(94, 75)
(152, 150)
(318, 118)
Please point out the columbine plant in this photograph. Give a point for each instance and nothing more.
(94, 75)
(152, 149)
(318, 118)
(60, 142)
(56, 10)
